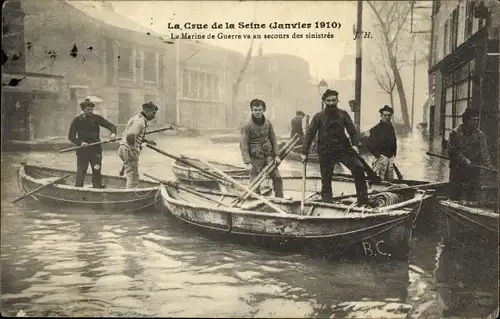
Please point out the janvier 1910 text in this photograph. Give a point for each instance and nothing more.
(253, 25)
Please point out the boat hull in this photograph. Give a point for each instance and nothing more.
(113, 197)
(353, 235)
(466, 224)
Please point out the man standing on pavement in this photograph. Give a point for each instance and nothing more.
(296, 125)
(84, 129)
(334, 146)
(259, 145)
(466, 147)
(131, 143)
(382, 143)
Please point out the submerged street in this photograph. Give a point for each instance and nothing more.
(61, 262)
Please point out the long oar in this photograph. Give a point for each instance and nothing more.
(242, 187)
(474, 165)
(257, 181)
(374, 178)
(186, 189)
(396, 170)
(111, 140)
(39, 188)
(396, 190)
(191, 164)
(304, 172)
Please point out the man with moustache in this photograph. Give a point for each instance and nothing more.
(84, 129)
(334, 146)
(467, 147)
(259, 146)
(382, 143)
(131, 143)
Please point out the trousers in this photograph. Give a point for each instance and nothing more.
(130, 159)
(327, 163)
(258, 165)
(464, 182)
(384, 167)
(84, 157)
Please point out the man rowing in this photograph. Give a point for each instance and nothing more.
(132, 140)
(259, 145)
(85, 129)
(334, 146)
(382, 143)
(467, 147)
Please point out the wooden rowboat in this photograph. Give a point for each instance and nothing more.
(342, 183)
(465, 223)
(65, 194)
(333, 228)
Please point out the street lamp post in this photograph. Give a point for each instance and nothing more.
(322, 87)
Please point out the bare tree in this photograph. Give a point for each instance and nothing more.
(241, 75)
(383, 75)
(396, 42)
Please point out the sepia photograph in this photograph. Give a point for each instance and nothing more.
(263, 159)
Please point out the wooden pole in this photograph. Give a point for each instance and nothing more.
(39, 189)
(359, 64)
(474, 165)
(242, 187)
(304, 172)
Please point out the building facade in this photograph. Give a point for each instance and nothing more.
(464, 68)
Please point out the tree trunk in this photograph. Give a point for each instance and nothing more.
(401, 90)
(391, 95)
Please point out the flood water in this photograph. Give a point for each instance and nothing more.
(61, 262)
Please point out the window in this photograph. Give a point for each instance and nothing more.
(125, 63)
(200, 85)
(110, 62)
(150, 66)
(124, 107)
(445, 39)
(469, 18)
(454, 30)
(458, 96)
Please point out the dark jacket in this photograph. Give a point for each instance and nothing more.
(330, 124)
(382, 140)
(86, 129)
(470, 144)
(258, 141)
(297, 127)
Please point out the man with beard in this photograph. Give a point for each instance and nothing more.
(259, 145)
(467, 147)
(85, 130)
(297, 126)
(383, 145)
(131, 143)
(334, 146)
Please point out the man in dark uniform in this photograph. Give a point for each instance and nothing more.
(259, 145)
(382, 143)
(85, 130)
(334, 146)
(466, 147)
(296, 125)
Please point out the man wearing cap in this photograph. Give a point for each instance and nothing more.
(334, 146)
(258, 145)
(296, 125)
(382, 143)
(84, 129)
(131, 143)
(466, 147)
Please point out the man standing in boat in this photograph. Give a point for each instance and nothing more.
(334, 146)
(131, 143)
(84, 129)
(382, 143)
(259, 145)
(467, 147)
(296, 125)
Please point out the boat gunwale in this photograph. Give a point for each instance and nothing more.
(164, 192)
(476, 211)
(236, 169)
(25, 176)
